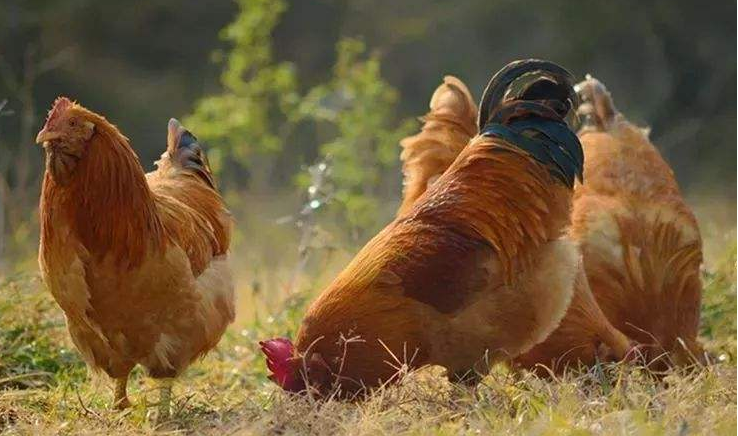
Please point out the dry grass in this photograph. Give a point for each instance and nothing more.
(45, 388)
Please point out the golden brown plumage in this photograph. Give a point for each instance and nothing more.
(585, 333)
(641, 243)
(447, 128)
(584, 336)
(641, 248)
(475, 271)
(136, 261)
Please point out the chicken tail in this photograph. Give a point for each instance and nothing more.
(552, 85)
(184, 151)
(525, 104)
(661, 261)
(447, 128)
(453, 102)
(597, 110)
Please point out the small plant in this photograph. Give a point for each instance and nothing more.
(359, 104)
(262, 113)
(719, 305)
(320, 193)
(256, 110)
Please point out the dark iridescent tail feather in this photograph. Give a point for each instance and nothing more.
(185, 151)
(531, 115)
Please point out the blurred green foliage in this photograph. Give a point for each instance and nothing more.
(260, 110)
(259, 96)
(358, 104)
(275, 86)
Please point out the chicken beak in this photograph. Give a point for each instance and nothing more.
(46, 135)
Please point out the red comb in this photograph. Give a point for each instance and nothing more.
(61, 104)
(280, 353)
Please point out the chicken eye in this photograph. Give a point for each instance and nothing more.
(72, 123)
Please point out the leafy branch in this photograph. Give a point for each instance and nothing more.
(261, 114)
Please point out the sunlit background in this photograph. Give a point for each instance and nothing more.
(273, 87)
(301, 105)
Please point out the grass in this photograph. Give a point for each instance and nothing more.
(46, 389)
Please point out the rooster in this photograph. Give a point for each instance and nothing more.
(584, 334)
(477, 270)
(641, 243)
(137, 262)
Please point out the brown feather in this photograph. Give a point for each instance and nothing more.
(450, 259)
(641, 243)
(137, 262)
(584, 328)
(109, 183)
(447, 128)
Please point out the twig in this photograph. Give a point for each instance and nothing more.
(87, 411)
(319, 193)
(22, 376)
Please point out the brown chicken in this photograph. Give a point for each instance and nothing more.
(641, 243)
(584, 334)
(475, 271)
(136, 261)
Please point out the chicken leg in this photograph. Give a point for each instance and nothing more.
(120, 398)
(165, 398)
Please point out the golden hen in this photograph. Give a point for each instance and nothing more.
(136, 261)
(584, 334)
(475, 271)
(641, 243)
